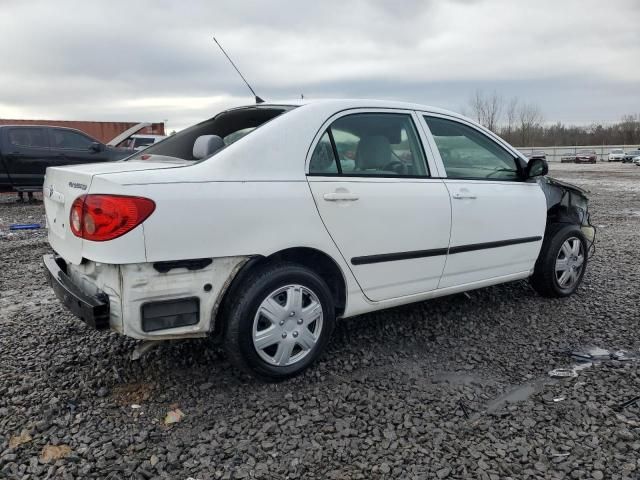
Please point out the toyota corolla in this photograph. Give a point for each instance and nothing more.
(266, 223)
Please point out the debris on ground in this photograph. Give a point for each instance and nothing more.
(18, 440)
(54, 452)
(173, 416)
(563, 373)
(25, 226)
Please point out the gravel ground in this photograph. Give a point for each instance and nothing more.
(451, 388)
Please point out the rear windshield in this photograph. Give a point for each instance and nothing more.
(230, 126)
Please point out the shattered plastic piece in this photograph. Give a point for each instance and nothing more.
(18, 440)
(560, 454)
(563, 373)
(135, 406)
(54, 452)
(173, 416)
(559, 399)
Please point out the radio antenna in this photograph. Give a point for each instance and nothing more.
(258, 99)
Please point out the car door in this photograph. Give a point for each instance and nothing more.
(27, 155)
(370, 177)
(70, 147)
(498, 218)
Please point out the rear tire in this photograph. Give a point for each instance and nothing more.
(279, 321)
(562, 261)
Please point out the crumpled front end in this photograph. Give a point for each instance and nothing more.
(567, 203)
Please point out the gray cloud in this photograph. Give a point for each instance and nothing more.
(155, 60)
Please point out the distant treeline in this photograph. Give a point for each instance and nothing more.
(522, 125)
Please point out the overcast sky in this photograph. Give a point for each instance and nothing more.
(578, 60)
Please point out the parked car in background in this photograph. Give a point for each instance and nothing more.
(26, 151)
(616, 155)
(568, 158)
(629, 156)
(140, 141)
(264, 224)
(537, 154)
(636, 161)
(586, 156)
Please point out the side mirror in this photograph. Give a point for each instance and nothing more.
(536, 167)
(96, 147)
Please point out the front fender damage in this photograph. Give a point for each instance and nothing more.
(567, 203)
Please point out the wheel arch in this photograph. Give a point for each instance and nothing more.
(312, 258)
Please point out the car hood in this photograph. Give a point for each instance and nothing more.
(565, 185)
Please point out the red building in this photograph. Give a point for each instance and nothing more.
(102, 131)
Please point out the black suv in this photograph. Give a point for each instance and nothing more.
(27, 150)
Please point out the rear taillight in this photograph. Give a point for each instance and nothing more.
(105, 217)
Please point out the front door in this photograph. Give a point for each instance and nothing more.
(70, 147)
(371, 182)
(498, 219)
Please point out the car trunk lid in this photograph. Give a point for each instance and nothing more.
(62, 185)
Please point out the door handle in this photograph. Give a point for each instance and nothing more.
(340, 196)
(463, 196)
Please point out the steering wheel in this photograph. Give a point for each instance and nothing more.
(393, 165)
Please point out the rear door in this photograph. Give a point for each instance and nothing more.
(372, 183)
(27, 155)
(498, 219)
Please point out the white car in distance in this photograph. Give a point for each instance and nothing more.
(266, 223)
(616, 155)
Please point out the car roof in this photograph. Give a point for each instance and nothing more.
(348, 103)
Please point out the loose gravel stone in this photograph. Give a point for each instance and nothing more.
(455, 387)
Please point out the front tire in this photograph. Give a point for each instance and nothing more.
(279, 322)
(562, 261)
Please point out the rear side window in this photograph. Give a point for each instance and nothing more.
(69, 139)
(468, 153)
(28, 137)
(323, 160)
(370, 144)
(229, 126)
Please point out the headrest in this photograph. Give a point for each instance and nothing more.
(373, 152)
(206, 145)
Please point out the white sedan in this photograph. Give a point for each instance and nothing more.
(266, 223)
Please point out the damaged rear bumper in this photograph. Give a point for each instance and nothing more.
(141, 300)
(91, 309)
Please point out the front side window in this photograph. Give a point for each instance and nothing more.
(70, 139)
(376, 144)
(142, 142)
(28, 137)
(468, 153)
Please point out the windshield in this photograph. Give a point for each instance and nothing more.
(617, 151)
(230, 126)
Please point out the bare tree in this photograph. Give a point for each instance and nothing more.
(512, 115)
(486, 109)
(530, 118)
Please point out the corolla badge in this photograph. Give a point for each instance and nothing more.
(81, 186)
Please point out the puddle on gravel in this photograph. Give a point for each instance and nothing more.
(518, 394)
(584, 358)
